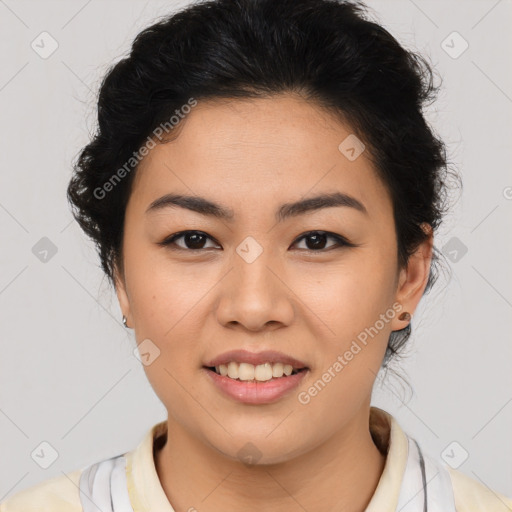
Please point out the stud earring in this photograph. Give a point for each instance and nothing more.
(405, 316)
(124, 322)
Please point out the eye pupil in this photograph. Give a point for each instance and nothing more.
(191, 240)
(319, 240)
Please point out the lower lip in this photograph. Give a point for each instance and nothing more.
(256, 392)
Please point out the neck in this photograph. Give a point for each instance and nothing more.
(340, 474)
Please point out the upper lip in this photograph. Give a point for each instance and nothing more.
(255, 358)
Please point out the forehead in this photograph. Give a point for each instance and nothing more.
(248, 152)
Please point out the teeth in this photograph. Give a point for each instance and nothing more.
(261, 372)
(277, 370)
(233, 370)
(246, 371)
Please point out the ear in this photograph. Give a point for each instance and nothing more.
(122, 295)
(413, 279)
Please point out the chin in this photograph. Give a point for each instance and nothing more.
(256, 447)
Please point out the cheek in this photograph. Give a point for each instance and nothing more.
(165, 305)
(169, 304)
(352, 292)
(161, 294)
(349, 300)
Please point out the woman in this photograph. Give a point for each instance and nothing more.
(263, 191)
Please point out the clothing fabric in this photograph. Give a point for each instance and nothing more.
(412, 481)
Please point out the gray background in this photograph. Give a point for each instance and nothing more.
(67, 372)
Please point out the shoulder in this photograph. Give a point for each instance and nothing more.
(58, 494)
(473, 496)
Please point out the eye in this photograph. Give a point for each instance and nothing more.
(318, 240)
(193, 240)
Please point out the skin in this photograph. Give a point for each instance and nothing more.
(252, 156)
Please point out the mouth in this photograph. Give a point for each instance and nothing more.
(255, 378)
(246, 372)
(271, 378)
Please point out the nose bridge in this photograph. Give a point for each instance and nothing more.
(253, 279)
(253, 294)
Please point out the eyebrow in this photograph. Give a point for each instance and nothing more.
(209, 208)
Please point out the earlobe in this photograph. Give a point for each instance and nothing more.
(413, 279)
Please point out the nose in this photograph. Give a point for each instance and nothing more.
(255, 296)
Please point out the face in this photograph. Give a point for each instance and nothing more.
(316, 283)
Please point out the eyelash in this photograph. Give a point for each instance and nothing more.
(169, 242)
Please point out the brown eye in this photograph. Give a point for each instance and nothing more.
(317, 240)
(193, 240)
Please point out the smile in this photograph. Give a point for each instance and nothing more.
(249, 372)
(256, 392)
